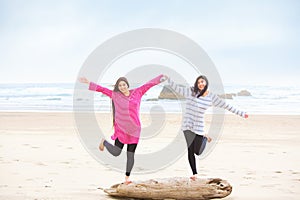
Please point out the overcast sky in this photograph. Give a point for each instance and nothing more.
(251, 42)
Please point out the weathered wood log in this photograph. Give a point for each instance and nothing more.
(173, 188)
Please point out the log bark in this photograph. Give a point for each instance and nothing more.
(173, 188)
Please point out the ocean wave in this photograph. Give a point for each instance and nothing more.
(53, 99)
(49, 97)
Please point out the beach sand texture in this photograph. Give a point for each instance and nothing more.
(41, 157)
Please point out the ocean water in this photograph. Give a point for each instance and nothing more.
(58, 97)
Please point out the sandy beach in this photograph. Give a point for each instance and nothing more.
(41, 157)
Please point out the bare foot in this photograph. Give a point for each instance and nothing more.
(209, 139)
(101, 145)
(194, 177)
(127, 181)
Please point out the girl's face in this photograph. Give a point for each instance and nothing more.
(123, 87)
(201, 84)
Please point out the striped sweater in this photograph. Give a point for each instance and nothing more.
(193, 118)
(127, 126)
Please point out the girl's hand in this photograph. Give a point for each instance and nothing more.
(163, 78)
(83, 80)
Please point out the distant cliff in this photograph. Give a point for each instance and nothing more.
(166, 93)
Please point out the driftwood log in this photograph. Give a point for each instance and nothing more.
(172, 188)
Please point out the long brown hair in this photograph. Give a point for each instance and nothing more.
(196, 89)
(116, 89)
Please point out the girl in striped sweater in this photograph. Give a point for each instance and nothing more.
(126, 121)
(198, 100)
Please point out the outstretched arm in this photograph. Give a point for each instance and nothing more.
(94, 87)
(180, 89)
(144, 88)
(221, 103)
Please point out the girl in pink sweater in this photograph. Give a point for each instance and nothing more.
(126, 121)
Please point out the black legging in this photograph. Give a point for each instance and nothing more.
(196, 144)
(116, 150)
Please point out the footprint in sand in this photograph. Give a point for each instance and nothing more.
(249, 175)
(40, 164)
(53, 173)
(295, 173)
(270, 185)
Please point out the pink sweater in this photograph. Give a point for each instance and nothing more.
(127, 110)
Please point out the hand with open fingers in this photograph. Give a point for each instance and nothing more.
(164, 78)
(83, 80)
